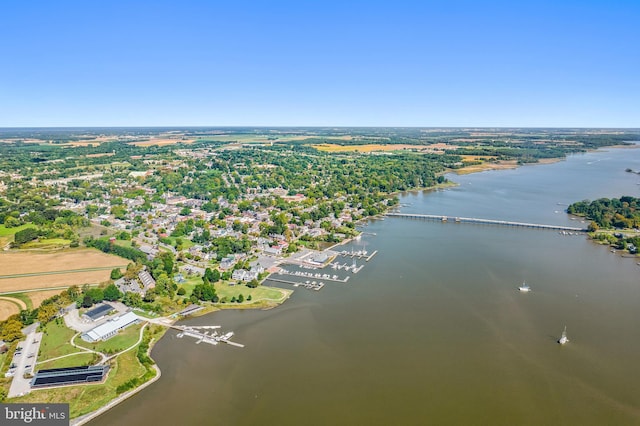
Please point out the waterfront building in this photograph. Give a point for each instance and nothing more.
(110, 328)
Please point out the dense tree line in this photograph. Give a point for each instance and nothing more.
(106, 246)
(620, 212)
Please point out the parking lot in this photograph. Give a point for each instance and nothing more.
(24, 362)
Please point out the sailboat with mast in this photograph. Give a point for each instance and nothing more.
(524, 288)
(563, 339)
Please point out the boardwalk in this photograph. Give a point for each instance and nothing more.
(486, 221)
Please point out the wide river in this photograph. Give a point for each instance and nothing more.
(433, 330)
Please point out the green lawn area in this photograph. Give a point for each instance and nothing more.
(123, 243)
(3, 359)
(144, 314)
(258, 294)
(186, 243)
(47, 244)
(56, 341)
(6, 234)
(190, 283)
(123, 340)
(70, 361)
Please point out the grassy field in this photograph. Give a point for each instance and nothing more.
(56, 341)
(123, 340)
(224, 289)
(47, 244)
(6, 234)
(66, 261)
(258, 294)
(186, 243)
(69, 361)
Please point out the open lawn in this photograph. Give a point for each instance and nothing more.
(258, 294)
(47, 244)
(123, 340)
(56, 341)
(6, 234)
(190, 283)
(69, 361)
(186, 243)
(75, 265)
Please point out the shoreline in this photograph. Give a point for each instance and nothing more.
(81, 420)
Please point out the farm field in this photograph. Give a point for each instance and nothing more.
(7, 308)
(65, 268)
(433, 148)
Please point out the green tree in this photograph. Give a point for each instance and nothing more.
(116, 274)
(26, 235)
(132, 299)
(87, 301)
(111, 293)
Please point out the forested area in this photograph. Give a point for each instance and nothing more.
(620, 212)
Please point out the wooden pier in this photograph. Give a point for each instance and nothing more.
(457, 219)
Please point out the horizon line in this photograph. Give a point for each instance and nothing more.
(309, 126)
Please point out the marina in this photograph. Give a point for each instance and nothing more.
(206, 334)
(317, 275)
(313, 285)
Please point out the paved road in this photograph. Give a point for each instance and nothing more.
(25, 362)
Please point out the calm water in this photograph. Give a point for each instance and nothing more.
(433, 329)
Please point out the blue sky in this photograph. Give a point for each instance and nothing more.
(320, 63)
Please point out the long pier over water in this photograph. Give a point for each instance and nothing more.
(457, 219)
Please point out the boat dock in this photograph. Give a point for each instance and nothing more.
(360, 254)
(203, 334)
(315, 275)
(313, 285)
(442, 218)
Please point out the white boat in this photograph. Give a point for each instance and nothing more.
(524, 288)
(563, 339)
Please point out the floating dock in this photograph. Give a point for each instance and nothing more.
(204, 337)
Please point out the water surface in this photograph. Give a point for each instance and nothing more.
(433, 329)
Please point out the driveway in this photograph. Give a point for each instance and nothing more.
(74, 322)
